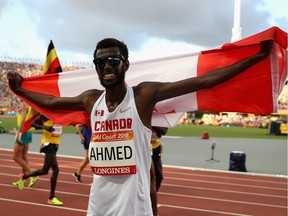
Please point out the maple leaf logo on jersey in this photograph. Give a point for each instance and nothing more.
(99, 112)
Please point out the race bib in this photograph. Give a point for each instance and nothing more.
(112, 153)
(57, 130)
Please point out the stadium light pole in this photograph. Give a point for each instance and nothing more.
(236, 30)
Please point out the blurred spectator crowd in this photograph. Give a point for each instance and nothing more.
(231, 119)
(8, 99)
(236, 119)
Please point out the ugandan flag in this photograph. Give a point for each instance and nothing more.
(51, 65)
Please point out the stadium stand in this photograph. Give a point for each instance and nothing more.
(9, 101)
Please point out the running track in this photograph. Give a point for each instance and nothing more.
(183, 192)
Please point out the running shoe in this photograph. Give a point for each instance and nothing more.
(32, 181)
(19, 184)
(21, 181)
(54, 201)
(77, 177)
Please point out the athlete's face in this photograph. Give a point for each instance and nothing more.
(110, 66)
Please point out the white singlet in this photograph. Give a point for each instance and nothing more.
(120, 158)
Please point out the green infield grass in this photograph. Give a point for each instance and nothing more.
(183, 130)
(9, 123)
(222, 131)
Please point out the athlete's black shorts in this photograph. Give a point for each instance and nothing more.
(50, 148)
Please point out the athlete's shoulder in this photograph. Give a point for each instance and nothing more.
(92, 92)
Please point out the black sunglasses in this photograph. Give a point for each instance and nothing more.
(112, 60)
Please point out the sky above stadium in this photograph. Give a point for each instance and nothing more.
(150, 28)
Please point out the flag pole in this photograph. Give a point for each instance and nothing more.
(236, 30)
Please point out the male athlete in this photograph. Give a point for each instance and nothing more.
(120, 115)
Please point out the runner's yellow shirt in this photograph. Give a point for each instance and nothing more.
(19, 120)
(53, 137)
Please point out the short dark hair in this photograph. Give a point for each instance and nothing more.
(112, 42)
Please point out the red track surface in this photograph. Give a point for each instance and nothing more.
(183, 192)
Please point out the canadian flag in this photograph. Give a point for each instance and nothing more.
(256, 90)
(99, 113)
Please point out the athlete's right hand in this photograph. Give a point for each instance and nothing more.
(82, 139)
(15, 80)
(18, 136)
(266, 47)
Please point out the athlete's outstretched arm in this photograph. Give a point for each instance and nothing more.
(44, 100)
(212, 78)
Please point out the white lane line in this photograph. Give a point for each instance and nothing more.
(202, 210)
(223, 200)
(42, 205)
